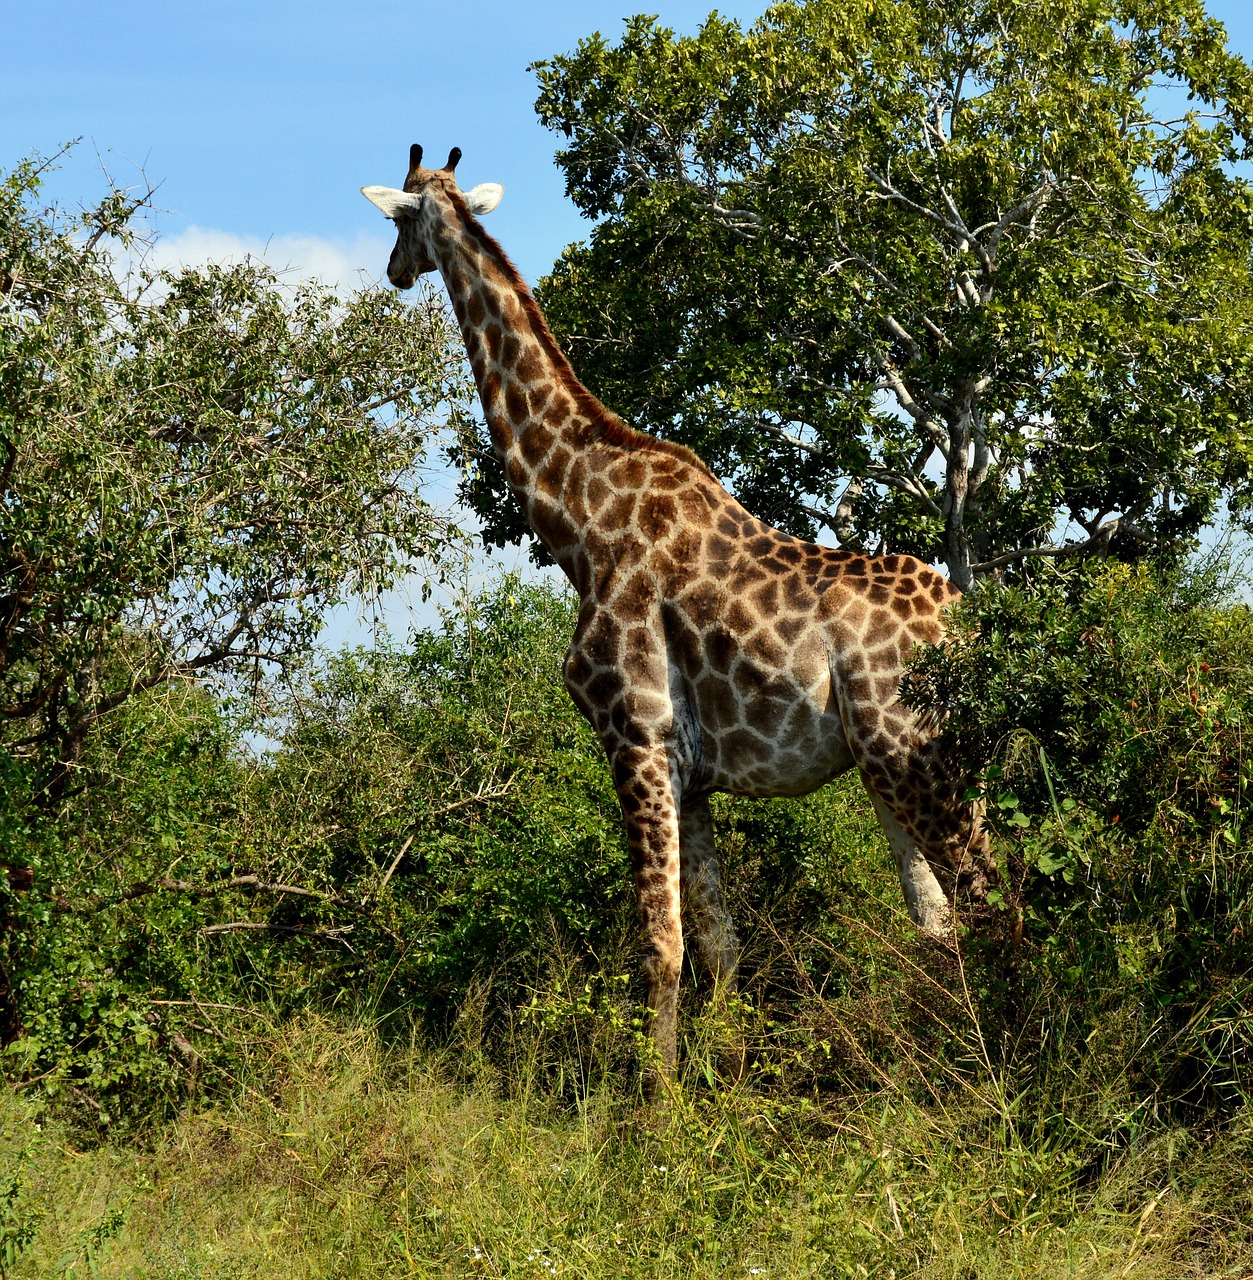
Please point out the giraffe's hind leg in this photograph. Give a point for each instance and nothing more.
(935, 835)
(925, 898)
(710, 927)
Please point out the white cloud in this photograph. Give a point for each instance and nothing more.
(342, 264)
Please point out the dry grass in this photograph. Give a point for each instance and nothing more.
(342, 1159)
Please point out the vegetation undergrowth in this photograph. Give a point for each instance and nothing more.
(1107, 714)
(417, 1050)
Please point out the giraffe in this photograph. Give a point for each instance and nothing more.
(712, 653)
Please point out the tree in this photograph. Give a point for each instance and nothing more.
(967, 280)
(193, 465)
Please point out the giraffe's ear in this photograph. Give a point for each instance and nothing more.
(483, 198)
(395, 204)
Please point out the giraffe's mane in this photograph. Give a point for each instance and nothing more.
(609, 426)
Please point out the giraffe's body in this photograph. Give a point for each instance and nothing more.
(712, 653)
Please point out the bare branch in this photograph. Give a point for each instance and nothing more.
(207, 1004)
(953, 223)
(144, 888)
(479, 797)
(931, 429)
(1100, 539)
(884, 281)
(805, 446)
(1027, 208)
(844, 529)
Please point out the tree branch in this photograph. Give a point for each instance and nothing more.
(1098, 541)
(257, 926)
(954, 224)
(1030, 206)
(144, 888)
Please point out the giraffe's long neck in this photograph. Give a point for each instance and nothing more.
(540, 416)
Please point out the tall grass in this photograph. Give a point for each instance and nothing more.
(339, 1156)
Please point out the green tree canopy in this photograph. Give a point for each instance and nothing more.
(968, 280)
(193, 465)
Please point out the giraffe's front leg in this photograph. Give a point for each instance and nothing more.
(647, 791)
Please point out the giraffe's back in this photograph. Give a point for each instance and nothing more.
(769, 657)
(775, 644)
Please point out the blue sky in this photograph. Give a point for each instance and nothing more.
(262, 119)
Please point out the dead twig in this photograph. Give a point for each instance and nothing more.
(480, 796)
(207, 1004)
(260, 926)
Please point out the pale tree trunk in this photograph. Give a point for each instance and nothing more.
(966, 469)
(956, 492)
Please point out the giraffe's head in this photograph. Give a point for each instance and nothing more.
(424, 195)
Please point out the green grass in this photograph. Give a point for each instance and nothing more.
(339, 1157)
(1069, 1100)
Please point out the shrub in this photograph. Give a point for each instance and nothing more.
(101, 929)
(435, 837)
(453, 791)
(1107, 714)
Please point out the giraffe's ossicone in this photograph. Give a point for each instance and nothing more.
(712, 652)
